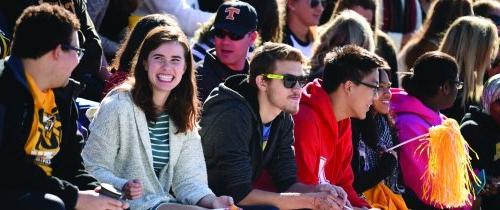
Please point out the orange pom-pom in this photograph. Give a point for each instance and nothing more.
(447, 181)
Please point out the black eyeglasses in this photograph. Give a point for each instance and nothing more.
(289, 81)
(375, 88)
(79, 51)
(315, 3)
(220, 33)
(458, 84)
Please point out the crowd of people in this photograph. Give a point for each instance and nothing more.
(258, 105)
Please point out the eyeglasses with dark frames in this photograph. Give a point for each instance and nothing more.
(458, 84)
(289, 81)
(375, 88)
(79, 51)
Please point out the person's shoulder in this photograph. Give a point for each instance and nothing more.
(117, 99)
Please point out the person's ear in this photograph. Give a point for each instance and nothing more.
(56, 52)
(348, 86)
(261, 83)
(445, 88)
(253, 36)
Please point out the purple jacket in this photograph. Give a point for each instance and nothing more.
(412, 118)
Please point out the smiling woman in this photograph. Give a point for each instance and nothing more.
(156, 146)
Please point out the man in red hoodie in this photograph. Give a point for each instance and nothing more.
(323, 145)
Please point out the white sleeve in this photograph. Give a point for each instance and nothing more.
(189, 18)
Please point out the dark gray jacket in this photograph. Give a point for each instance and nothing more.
(231, 133)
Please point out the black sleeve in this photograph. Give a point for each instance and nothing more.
(91, 61)
(472, 134)
(283, 168)
(23, 175)
(68, 164)
(225, 137)
(364, 180)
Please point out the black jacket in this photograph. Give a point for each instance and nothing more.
(20, 175)
(483, 135)
(231, 133)
(211, 72)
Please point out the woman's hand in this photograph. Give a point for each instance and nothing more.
(133, 189)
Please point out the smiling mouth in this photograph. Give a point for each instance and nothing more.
(165, 77)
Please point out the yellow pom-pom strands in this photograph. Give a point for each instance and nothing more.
(447, 180)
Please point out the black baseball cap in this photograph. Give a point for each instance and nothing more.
(236, 17)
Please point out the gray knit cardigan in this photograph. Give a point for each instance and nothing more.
(119, 149)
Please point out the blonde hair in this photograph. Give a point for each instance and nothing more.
(284, 16)
(346, 28)
(473, 42)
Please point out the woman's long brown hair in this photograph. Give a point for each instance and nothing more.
(182, 105)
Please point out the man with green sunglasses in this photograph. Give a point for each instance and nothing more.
(247, 136)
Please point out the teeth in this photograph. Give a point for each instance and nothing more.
(165, 77)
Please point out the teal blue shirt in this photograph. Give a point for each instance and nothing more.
(158, 134)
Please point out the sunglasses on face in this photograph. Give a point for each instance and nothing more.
(315, 3)
(289, 81)
(219, 33)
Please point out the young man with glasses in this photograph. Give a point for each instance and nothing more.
(323, 143)
(38, 134)
(235, 32)
(247, 136)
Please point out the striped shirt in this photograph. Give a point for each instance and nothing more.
(159, 136)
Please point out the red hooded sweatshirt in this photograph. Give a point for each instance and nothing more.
(323, 146)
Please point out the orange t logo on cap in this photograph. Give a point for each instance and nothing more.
(231, 11)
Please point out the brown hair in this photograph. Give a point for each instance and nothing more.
(265, 57)
(41, 29)
(182, 104)
(348, 27)
(484, 8)
(128, 48)
(372, 5)
(441, 14)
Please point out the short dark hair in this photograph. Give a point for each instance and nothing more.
(432, 70)
(41, 29)
(349, 63)
(182, 104)
(265, 57)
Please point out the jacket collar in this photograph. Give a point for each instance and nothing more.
(219, 68)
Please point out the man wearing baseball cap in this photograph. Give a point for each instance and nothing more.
(235, 32)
